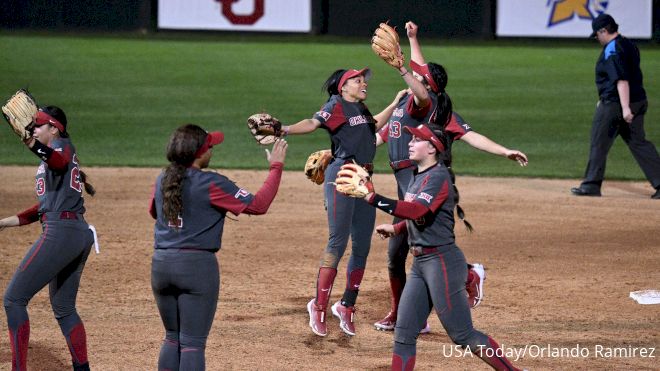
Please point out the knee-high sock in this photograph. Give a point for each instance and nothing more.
(353, 281)
(73, 330)
(496, 359)
(324, 284)
(19, 338)
(403, 357)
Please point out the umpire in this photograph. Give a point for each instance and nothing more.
(620, 109)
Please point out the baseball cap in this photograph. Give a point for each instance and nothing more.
(602, 21)
(424, 132)
(423, 70)
(213, 138)
(366, 72)
(44, 118)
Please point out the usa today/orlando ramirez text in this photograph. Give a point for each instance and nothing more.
(550, 351)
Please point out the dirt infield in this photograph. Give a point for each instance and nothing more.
(560, 269)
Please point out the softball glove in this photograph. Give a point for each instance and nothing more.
(20, 111)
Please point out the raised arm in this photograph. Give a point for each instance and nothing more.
(485, 144)
(415, 49)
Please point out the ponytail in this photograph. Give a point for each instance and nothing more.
(446, 159)
(172, 188)
(331, 85)
(89, 188)
(181, 152)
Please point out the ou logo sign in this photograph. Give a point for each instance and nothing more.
(247, 19)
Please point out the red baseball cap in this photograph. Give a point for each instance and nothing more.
(366, 72)
(424, 132)
(423, 70)
(213, 138)
(43, 118)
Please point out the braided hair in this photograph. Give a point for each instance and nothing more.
(181, 150)
(438, 125)
(58, 114)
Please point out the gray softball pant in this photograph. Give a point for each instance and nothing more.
(186, 285)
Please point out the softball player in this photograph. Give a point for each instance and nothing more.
(352, 131)
(427, 83)
(437, 277)
(58, 257)
(189, 206)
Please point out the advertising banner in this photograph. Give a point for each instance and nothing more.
(571, 18)
(236, 15)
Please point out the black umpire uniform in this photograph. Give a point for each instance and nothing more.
(618, 112)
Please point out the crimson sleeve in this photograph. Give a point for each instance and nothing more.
(28, 216)
(401, 209)
(266, 194)
(416, 111)
(152, 204)
(400, 227)
(57, 162)
(384, 132)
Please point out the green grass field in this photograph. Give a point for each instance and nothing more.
(124, 96)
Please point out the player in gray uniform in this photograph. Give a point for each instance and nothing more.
(189, 206)
(427, 83)
(352, 131)
(58, 257)
(437, 277)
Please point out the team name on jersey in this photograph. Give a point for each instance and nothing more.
(358, 120)
(398, 112)
(425, 196)
(422, 195)
(325, 115)
(41, 169)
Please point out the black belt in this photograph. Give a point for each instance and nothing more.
(64, 215)
(419, 250)
(398, 165)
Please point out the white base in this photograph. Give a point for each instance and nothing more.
(646, 296)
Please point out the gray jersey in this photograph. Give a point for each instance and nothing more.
(207, 196)
(351, 129)
(60, 190)
(432, 188)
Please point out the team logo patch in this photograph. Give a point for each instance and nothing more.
(565, 10)
(241, 193)
(425, 196)
(326, 115)
(409, 197)
(398, 112)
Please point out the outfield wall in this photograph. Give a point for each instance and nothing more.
(475, 19)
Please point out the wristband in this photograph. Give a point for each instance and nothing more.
(42, 151)
(405, 73)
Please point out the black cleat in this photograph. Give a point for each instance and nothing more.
(579, 191)
(656, 195)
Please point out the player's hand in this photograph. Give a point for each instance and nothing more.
(400, 95)
(628, 115)
(278, 153)
(385, 230)
(10, 221)
(411, 29)
(514, 155)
